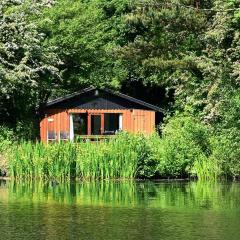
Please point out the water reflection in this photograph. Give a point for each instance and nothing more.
(125, 193)
(119, 210)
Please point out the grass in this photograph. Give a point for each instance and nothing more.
(126, 156)
(116, 158)
(207, 169)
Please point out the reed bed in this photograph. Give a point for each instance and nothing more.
(207, 169)
(125, 156)
(116, 158)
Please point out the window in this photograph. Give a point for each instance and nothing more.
(100, 124)
(112, 123)
(80, 124)
(64, 135)
(51, 133)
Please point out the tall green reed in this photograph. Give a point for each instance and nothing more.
(124, 156)
(206, 169)
(115, 158)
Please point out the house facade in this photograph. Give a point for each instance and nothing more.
(93, 113)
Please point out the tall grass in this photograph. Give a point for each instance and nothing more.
(184, 150)
(116, 158)
(206, 169)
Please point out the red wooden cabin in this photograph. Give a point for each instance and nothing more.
(96, 113)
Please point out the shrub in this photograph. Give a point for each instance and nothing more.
(184, 141)
(6, 140)
(147, 149)
(226, 151)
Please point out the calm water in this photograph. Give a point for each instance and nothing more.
(119, 210)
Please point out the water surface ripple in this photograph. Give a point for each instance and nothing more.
(119, 210)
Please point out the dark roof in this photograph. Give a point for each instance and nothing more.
(118, 94)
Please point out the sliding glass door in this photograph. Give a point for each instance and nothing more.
(96, 124)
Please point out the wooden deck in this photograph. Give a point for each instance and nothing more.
(94, 137)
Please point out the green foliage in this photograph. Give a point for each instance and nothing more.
(116, 158)
(184, 141)
(204, 72)
(27, 68)
(124, 156)
(6, 135)
(206, 168)
(111, 159)
(165, 35)
(6, 140)
(187, 149)
(226, 151)
(86, 32)
(168, 44)
(193, 148)
(147, 151)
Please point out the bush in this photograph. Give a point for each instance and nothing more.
(184, 141)
(6, 140)
(226, 151)
(147, 149)
(192, 148)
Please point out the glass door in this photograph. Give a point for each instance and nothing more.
(97, 124)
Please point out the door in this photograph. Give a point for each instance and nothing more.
(96, 124)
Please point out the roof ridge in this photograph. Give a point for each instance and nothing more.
(51, 102)
(134, 99)
(117, 93)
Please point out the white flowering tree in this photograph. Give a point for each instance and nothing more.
(28, 69)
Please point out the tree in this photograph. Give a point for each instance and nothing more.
(86, 33)
(191, 48)
(28, 70)
(164, 34)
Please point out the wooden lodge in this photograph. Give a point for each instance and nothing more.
(93, 113)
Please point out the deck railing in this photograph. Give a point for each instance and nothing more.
(94, 137)
(64, 136)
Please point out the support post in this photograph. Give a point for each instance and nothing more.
(71, 134)
(120, 122)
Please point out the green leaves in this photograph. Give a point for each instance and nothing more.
(27, 69)
(86, 33)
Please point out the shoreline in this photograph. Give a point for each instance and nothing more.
(159, 180)
(110, 179)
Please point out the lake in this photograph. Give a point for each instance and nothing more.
(119, 210)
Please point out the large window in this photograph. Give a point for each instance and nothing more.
(80, 124)
(112, 123)
(99, 123)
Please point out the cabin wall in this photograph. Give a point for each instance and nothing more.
(134, 121)
(143, 121)
(55, 120)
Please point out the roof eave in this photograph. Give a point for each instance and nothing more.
(50, 103)
(121, 95)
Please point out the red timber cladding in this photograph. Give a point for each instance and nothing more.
(43, 129)
(134, 121)
(143, 121)
(55, 120)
